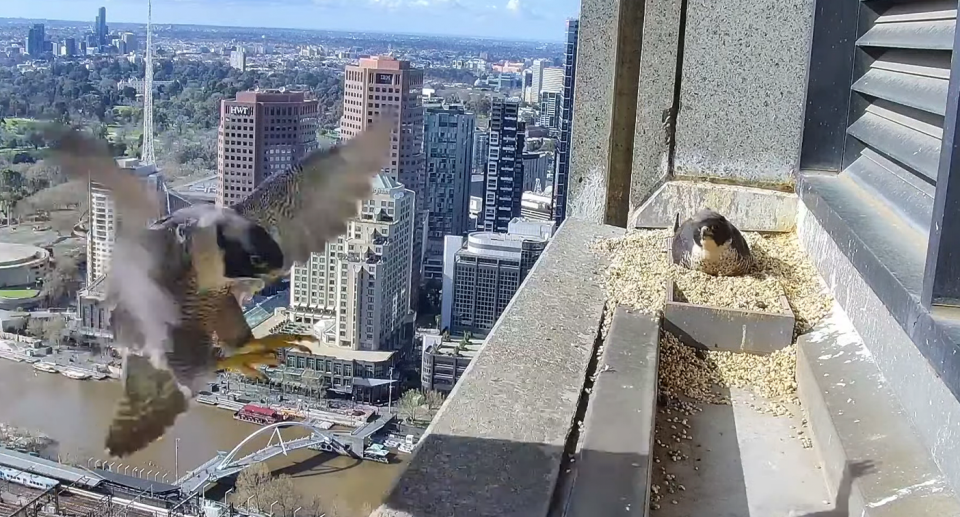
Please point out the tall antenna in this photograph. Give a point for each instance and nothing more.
(147, 156)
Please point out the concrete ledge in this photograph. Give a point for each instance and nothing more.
(750, 209)
(877, 287)
(854, 416)
(496, 445)
(611, 476)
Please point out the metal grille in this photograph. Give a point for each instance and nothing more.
(898, 102)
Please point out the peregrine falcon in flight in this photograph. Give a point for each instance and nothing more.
(176, 283)
(708, 242)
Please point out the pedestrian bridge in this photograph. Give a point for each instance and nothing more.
(226, 464)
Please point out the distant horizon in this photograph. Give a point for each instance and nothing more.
(250, 27)
(506, 20)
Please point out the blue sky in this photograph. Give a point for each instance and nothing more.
(516, 19)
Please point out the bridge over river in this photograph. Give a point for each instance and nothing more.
(226, 464)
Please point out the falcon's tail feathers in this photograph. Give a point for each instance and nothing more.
(151, 402)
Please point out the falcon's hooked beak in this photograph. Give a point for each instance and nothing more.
(706, 237)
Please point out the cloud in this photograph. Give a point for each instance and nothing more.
(514, 6)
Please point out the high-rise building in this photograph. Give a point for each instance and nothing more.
(552, 80)
(481, 150)
(448, 147)
(562, 173)
(482, 272)
(100, 29)
(536, 81)
(238, 59)
(503, 181)
(262, 133)
(36, 37)
(69, 47)
(130, 42)
(380, 86)
(358, 291)
(550, 109)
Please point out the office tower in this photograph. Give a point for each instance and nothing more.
(562, 174)
(550, 109)
(238, 59)
(503, 181)
(262, 133)
(382, 85)
(100, 29)
(536, 81)
(481, 150)
(482, 273)
(130, 41)
(552, 80)
(69, 47)
(448, 148)
(358, 291)
(36, 37)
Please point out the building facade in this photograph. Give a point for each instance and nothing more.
(359, 290)
(536, 170)
(560, 177)
(482, 272)
(503, 181)
(552, 80)
(262, 133)
(481, 149)
(444, 362)
(448, 146)
(550, 106)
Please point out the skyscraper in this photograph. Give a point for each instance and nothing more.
(380, 86)
(100, 29)
(36, 38)
(561, 176)
(262, 133)
(503, 181)
(536, 81)
(358, 291)
(448, 147)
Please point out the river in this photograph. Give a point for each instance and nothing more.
(76, 414)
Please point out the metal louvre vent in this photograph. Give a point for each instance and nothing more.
(899, 97)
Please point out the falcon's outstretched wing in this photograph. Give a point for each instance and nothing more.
(138, 254)
(309, 205)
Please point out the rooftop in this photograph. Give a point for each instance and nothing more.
(12, 254)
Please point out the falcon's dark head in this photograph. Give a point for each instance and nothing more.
(251, 254)
(711, 227)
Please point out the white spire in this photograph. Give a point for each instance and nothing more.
(147, 156)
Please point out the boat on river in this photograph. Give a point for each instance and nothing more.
(75, 374)
(46, 366)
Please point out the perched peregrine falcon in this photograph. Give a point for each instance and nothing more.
(710, 243)
(176, 283)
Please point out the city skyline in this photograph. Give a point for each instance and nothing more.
(540, 20)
